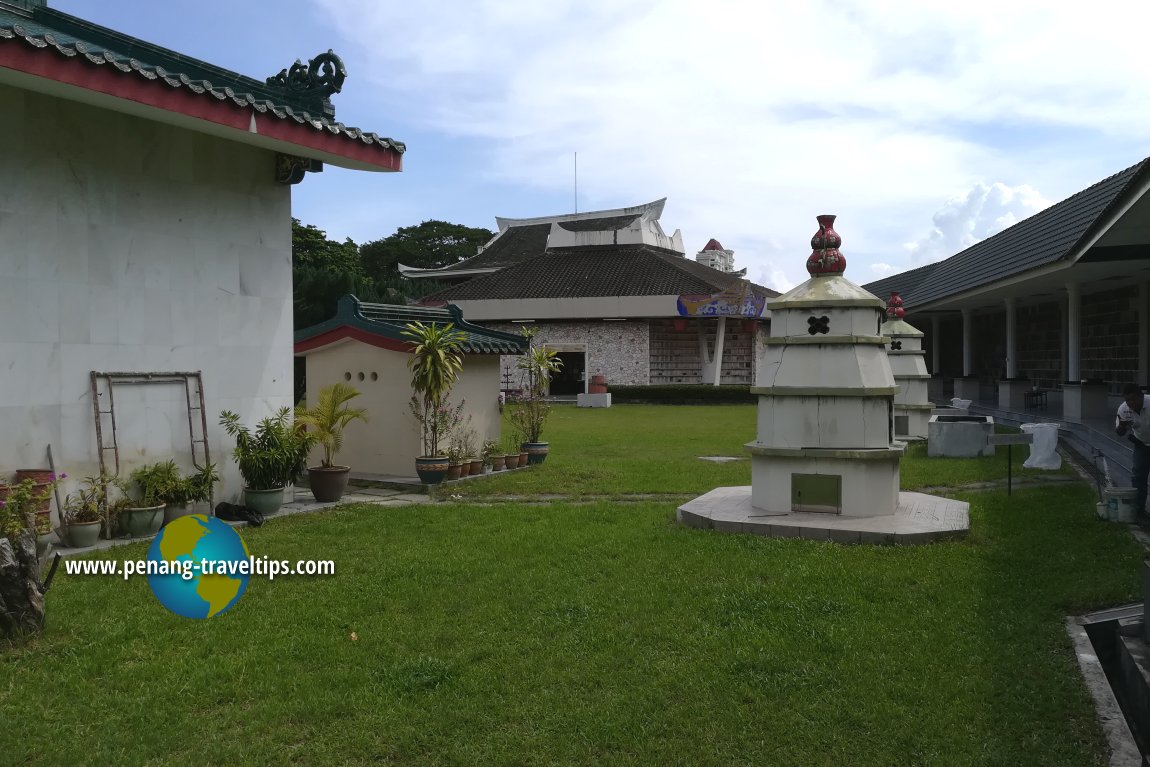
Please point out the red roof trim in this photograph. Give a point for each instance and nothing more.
(356, 334)
(155, 93)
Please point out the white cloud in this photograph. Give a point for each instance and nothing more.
(968, 218)
(751, 126)
(881, 270)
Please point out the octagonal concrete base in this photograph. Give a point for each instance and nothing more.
(919, 518)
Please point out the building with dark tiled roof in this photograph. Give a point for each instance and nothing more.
(145, 228)
(614, 295)
(1059, 302)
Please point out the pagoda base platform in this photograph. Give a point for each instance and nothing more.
(919, 518)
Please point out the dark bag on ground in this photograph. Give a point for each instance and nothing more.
(231, 512)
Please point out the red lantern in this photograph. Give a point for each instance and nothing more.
(680, 325)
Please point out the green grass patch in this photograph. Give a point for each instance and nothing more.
(595, 633)
(652, 449)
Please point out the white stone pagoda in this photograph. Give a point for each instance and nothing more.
(912, 404)
(826, 397)
(825, 460)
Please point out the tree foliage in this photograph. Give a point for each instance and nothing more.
(310, 247)
(429, 245)
(323, 270)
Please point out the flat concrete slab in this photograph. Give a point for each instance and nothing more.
(920, 518)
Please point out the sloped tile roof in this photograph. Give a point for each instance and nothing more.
(1045, 237)
(58, 33)
(517, 244)
(903, 282)
(388, 321)
(596, 271)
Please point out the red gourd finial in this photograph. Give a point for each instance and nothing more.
(825, 258)
(894, 308)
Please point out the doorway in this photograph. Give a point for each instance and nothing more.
(571, 378)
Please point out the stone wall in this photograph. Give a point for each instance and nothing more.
(617, 350)
(675, 355)
(1110, 336)
(989, 352)
(1039, 343)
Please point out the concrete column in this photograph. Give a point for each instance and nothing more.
(967, 342)
(720, 337)
(1143, 333)
(1011, 339)
(1062, 344)
(1073, 331)
(712, 364)
(935, 323)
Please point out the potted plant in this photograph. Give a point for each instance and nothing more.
(472, 462)
(160, 493)
(511, 451)
(529, 411)
(490, 449)
(271, 457)
(454, 461)
(20, 510)
(85, 512)
(435, 364)
(326, 420)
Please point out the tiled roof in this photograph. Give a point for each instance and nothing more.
(594, 271)
(70, 37)
(514, 246)
(1044, 238)
(903, 282)
(388, 321)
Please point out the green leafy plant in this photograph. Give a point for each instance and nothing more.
(329, 417)
(490, 449)
(162, 483)
(274, 454)
(19, 503)
(529, 411)
(93, 502)
(435, 364)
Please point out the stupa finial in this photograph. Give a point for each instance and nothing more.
(894, 308)
(825, 258)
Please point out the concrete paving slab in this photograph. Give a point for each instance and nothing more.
(919, 518)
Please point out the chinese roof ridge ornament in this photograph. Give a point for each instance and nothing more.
(322, 77)
(894, 310)
(825, 258)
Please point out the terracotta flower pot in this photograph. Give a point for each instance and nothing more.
(454, 470)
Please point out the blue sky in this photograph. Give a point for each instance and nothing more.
(923, 126)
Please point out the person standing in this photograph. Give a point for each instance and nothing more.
(1133, 422)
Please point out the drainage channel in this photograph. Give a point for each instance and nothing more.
(1114, 654)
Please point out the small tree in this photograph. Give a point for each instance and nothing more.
(329, 417)
(530, 410)
(435, 364)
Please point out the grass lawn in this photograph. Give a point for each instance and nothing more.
(655, 449)
(588, 633)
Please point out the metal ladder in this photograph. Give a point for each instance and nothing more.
(103, 391)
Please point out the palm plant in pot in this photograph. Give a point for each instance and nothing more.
(326, 420)
(529, 411)
(270, 457)
(435, 363)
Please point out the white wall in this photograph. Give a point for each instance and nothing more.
(133, 246)
(390, 441)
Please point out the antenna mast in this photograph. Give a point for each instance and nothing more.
(576, 182)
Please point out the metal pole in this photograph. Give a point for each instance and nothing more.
(1009, 468)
